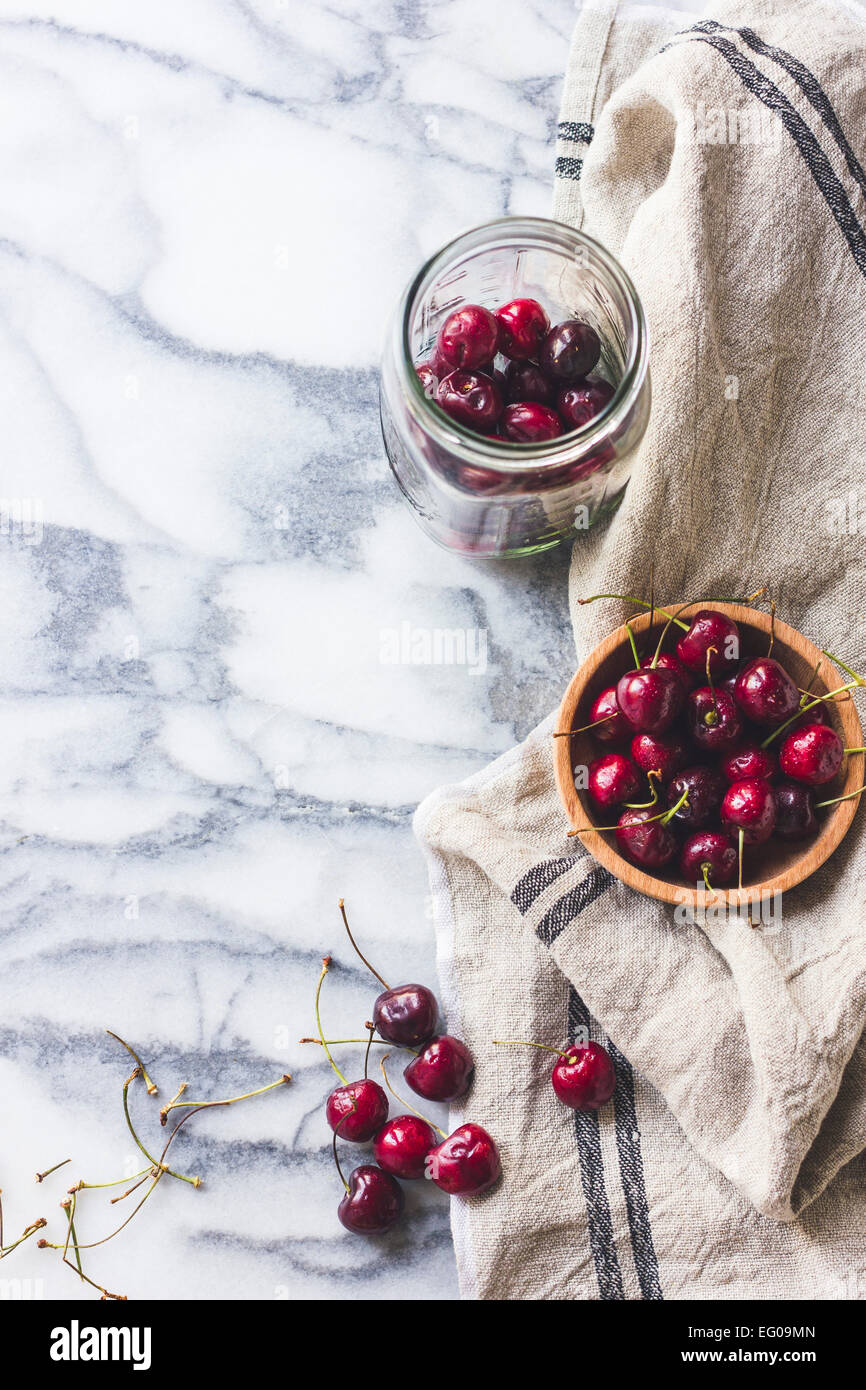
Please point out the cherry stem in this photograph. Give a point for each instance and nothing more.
(711, 651)
(663, 816)
(858, 679)
(194, 1182)
(641, 602)
(633, 646)
(654, 796)
(377, 1042)
(406, 1102)
(804, 709)
(40, 1177)
(25, 1235)
(705, 870)
(326, 961)
(861, 749)
(567, 733)
(813, 677)
(772, 627)
(207, 1104)
(358, 951)
(152, 1088)
(371, 1028)
(846, 797)
(521, 1042)
(336, 1159)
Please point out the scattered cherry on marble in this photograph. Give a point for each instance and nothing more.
(465, 1163)
(405, 1015)
(357, 1109)
(442, 1069)
(469, 338)
(373, 1201)
(402, 1145)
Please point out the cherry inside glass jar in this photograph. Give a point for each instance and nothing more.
(480, 494)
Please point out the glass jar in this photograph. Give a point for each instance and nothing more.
(482, 495)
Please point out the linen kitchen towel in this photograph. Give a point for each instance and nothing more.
(719, 159)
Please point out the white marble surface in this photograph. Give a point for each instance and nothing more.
(207, 211)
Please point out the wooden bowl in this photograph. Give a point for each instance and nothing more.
(767, 869)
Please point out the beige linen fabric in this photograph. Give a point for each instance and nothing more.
(731, 1164)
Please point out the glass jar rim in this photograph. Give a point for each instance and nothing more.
(542, 233)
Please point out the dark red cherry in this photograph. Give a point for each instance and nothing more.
(795, 811)
(579, 404)
(530, 422)
(750, 806)
(749, 760)
(709, 628)
(613, 779)
(647, 842)
(765, 692)
(569, 351)
(650, 699)
(442, 1070)
(406, 1015)
(669, 662)
(812, 754)
(526, 382)
(584, 1079)
(665, 755)
(465, 1163)
(469, 338)
(472, 399)
(402, 1145)
(522, 325)
(705, 786)
(711, 851)
(374, 1202)
(616, 727)
(715, 722)
(357, 1111)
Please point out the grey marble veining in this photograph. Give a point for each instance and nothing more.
(207, 212)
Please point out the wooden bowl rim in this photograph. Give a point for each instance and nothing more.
(579, 809)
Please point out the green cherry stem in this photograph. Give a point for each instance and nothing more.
(859, 680)
(567, 733)
(152, 1087)
(359, 953)
(407, 1103)
(861, 749)
(40, 1177)
(371, 1028)
(377, 1042)
(208, 1104)
(522, 1042)
(804, 709)
(654, 796)
(630, 598)
(846, 797)
(633, 646)
(194, 1182)
(326, 961)
(663, 816)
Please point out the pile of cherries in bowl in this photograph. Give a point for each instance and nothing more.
(544, 387)
(709, 754)
(405, 1146)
